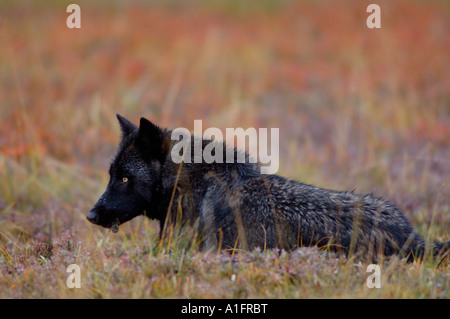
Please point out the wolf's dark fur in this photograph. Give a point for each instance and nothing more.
(233, 205)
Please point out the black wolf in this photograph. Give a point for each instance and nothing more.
(233, 205)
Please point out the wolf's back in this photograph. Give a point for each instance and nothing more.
(360, 224)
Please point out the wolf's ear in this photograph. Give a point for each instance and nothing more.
(126, 126)
(151, 140)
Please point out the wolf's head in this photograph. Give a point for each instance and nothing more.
(134, 175)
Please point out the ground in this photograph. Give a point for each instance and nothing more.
(358, 108)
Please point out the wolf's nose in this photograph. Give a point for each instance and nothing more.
(92, 217)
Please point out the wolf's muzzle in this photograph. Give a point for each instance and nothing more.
(92, 216)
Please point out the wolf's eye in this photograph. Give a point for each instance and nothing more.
(125, 179)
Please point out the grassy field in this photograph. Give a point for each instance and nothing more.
(357, 109)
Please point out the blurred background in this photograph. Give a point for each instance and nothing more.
(358, 108)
